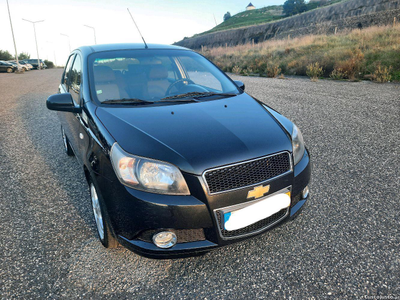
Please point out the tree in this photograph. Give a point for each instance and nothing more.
(23, 56)
(323, 2)
(49, 64)
(294, 7)
(227, 16)
(5, 55)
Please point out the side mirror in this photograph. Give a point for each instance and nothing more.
(62, 102)
(239, 84)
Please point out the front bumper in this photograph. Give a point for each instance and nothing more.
(134, 213)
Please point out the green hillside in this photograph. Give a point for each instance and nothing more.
(262, 15)
(251, 17)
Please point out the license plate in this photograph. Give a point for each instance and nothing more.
(258, 211)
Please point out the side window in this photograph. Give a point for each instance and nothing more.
(75, 75)
(67, 68)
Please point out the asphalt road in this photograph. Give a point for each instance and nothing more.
(345, 244)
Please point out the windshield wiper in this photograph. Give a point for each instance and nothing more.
(196, 95)
(216, 94)
(127, 101)
(181, 96)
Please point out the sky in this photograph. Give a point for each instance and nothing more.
(160, 21)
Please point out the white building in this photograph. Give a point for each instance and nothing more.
(250, 7)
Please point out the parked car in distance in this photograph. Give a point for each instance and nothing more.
(28, 66)
(178, 158)
(34, 63)
(7, 67)
(22, 66)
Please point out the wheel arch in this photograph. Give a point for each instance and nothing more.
(87, 173)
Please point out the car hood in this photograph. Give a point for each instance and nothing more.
(197, 136)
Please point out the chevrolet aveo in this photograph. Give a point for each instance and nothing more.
(178, 158)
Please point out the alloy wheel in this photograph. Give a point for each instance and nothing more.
(97, 211)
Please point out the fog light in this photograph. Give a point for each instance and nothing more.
(304, 193)
(164, 239)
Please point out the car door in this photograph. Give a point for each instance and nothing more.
(78, 121)
(3, 66)
(79, 139)
(63, 88)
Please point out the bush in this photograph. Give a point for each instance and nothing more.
(314, 71)
(353, 65)
(248, 71)
(382, 74)
(347, 55)
(338, 74)
(273, 71)
(236, 70)
(49, 64)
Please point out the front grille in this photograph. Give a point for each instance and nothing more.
(247, 173)
(258, 226)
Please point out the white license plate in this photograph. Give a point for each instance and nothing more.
(258, 211)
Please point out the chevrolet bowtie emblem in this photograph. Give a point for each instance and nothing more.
(258, 192)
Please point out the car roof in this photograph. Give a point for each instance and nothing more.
(86, 50)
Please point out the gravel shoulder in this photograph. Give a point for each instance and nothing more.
(345, 244)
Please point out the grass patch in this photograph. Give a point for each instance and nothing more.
(353, 55)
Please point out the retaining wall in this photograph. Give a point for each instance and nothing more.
(347, 15)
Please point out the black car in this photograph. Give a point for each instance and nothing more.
(178, 158)
(7, 67)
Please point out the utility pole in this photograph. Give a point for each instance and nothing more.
(69, 42)
(215, 20)
(37, 48)
(94, 32)
(55, 61)
(12, 31)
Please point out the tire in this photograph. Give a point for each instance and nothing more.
(103, 227)
(9, 70)
(67, 146)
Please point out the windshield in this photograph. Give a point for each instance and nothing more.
(142, 76)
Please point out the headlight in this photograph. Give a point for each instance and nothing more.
(298, 144)
(147, 174)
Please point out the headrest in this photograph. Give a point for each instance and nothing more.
(103, 74)
(158, 72)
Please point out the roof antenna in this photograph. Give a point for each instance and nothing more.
(145, 45)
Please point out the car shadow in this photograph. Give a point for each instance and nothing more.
(43, 136)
